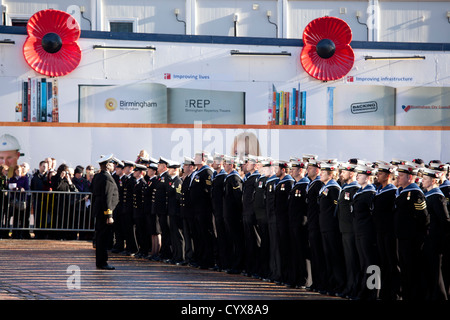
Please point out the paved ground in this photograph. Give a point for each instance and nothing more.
(48, 269)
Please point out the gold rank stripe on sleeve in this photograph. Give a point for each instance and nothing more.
(420, 205)
(107, 212)
(335, 202)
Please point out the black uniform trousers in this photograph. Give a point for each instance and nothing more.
(232, 213)
(352, 266)
(105, 196)
(249, 222)
(262, 227)
(102, 233)
(390, 274)
(274, 253)
(204, 234)
(128, 210)
(221, 244)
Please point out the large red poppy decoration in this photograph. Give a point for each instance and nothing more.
(327, 54)
(51, 47)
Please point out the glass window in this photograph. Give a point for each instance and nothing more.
(121, 26)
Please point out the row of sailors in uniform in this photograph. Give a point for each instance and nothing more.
(276, 223)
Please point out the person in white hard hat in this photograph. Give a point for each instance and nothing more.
(9, 152)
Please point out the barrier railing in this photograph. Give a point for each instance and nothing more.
(46, 210)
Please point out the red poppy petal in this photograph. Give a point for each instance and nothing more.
(51, 64)
(332, 28)
(341, 62)
(67, 28)
(56, 21)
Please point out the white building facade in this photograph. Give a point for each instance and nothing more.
(182, 79)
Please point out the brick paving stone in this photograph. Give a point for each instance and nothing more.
(40, 270)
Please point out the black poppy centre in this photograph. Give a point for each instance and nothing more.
(51, 42)
(325, 48)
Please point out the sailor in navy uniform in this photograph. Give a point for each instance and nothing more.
(128, 185)
(105, 197)
(138, 209)
(221, 239)
(259, 206)
(248, 215)
(173, 213)
(445, 188)
(345, 218)
(274, 255)
(119, 236)
(282, 191)
(298, 236)
(160, 209)
(383, 218)
(318, 268)
(329, 228)
(411, 222)
(153, 239)
(232, 213)
(187, 214)
(364, 227)
(439, 230)
(200, 194)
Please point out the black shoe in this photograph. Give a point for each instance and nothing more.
(106, 267)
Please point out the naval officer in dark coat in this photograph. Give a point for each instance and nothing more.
(105, 197)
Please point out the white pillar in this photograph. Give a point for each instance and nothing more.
(97, 15)
(373, 20)
(191, 6)
(282, 19)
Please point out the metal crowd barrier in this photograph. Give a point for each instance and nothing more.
(46, 211)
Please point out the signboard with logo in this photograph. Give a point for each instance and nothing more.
(155, 103)
(136, 103)
(208, 106)
(423, 106)
(365, 105)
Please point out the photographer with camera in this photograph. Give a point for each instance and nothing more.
(62, 181)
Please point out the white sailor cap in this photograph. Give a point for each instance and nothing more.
(251, 158)
(347, 166)
(386, 167)
(378, 162)
(202, 153)
(307, 157)
(407, 168)
(173, 164)
(398, 162)
(140, 167)
(106, 159)
(330, 161)
(364, 169)
(118, 163)
(432, 173)
(230, 160)
(328, 166)
(129, 163)
(282, 164)
(314, 163)
(189, 161)
(298, 163)
(163, 160)
(438, 166)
